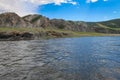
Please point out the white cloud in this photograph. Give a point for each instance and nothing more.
(93, 1)
(57, 2)
(23, 7)
(88, 1)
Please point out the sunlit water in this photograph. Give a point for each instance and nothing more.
(86, 58)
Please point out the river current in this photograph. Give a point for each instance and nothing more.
(85, 58)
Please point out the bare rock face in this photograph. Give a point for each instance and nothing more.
(41, 21)
(37, 20)
(13, 20)
(69, 25)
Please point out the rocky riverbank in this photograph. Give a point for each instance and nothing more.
(30, 35)
(15, 35)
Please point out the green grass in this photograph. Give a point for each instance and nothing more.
(11, 29)
(106, 27)
(35, 19)
(82, 34)
(71, 33)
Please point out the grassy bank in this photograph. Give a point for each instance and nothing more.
(56, 32)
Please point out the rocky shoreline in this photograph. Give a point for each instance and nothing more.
(31, 36)
(14, 27)
(15, 35)
(13, 20)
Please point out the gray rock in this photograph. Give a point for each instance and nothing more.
(13, 20)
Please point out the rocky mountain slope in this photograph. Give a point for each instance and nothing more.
(111, 26)
(13, 20)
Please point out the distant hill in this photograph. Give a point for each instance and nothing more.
(112, 23)
(13, 20)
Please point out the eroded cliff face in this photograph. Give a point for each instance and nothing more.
(69, 25)
(38, 20)
(13, 20)
(41, 21)
(35, 20)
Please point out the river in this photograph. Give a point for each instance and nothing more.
(85, 58)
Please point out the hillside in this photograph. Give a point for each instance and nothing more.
(35, 20)
(111, 26)
(115, 23)
(13, 20)
(16, 27)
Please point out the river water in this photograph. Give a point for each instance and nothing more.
(86, 58)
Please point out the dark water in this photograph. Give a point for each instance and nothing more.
(87, 58)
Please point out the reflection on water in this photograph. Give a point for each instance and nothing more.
(87, 58)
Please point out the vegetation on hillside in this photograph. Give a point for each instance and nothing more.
(53, 33)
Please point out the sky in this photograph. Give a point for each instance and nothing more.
(77, 10)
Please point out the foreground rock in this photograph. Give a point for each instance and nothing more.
(30, 36)
(15, 35)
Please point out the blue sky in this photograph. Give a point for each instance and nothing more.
(84, 11)
(77, 10)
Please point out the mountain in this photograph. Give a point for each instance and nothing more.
(35, 20)
(44, 22)
(111, 26)
(13, 20)
(112, 23)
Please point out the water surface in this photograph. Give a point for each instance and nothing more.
(86, 58)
